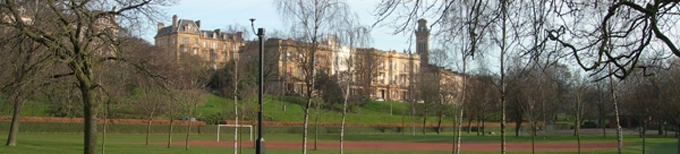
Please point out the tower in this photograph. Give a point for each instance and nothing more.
(423, 42)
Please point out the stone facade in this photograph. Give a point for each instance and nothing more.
(185, 37)
(392, 77)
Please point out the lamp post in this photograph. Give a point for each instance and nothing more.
(235, 57)
(259, 143)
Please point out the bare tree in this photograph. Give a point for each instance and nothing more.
(503, 44)
(367, 66)
(347, 81)
(580, 88)
(355, 35)
(92, 28)
(619, 132)
(25, 60)
(619, 34)
(481, 91)
(310, 20)
(670, 95)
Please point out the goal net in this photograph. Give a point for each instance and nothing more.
(250, 131)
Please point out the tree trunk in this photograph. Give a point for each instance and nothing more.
(477, 126)
(602, 124)
(460, 122)
(106, 121)
(518, 123)
(425, 121)
(453, 139)
(439, 121)
(543, 115)
(533, 137)
(577, 127)
(316, 128)
(642, 134)
(191, 115)
(170, 132)
(619, 131)
(470, 126)
(678, 136)
(413, 118)
(305, 125)
(90, 114)
(342, 123)
(148, 127)
(661, 128)
(483, 119)
(14, 126)
(236, 106)
(504, 14)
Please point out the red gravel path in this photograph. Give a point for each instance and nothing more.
(478, 147)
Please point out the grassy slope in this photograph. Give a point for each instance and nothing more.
(374, 112)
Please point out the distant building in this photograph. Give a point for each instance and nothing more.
(393, 75)
(185, 37)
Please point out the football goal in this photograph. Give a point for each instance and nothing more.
(250, 127)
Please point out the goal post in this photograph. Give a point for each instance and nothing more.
(250, 127)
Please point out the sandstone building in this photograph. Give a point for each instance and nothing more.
(388, 75)
(185, 37)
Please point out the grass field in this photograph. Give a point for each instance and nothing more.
(32, 143)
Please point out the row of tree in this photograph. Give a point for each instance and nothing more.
(607, 38)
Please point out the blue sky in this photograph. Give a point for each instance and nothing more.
(221, 13)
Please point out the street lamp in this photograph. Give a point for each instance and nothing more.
(259, 145)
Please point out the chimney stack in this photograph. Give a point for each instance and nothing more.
(160, 26)
(174, 22)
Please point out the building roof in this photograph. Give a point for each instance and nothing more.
(184, 24)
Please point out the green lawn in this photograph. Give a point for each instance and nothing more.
(32, 143)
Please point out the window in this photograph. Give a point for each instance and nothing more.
(185, 40)
(234, 47)
(393, 66)
(214, 45)
(196, 41)
(195, 51)
(205, 44)
(393, 80)
(394, 95)
(224, 46)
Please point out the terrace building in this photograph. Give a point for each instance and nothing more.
(185, 37)
(384, 75)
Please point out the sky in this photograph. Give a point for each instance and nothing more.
(221, 13)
